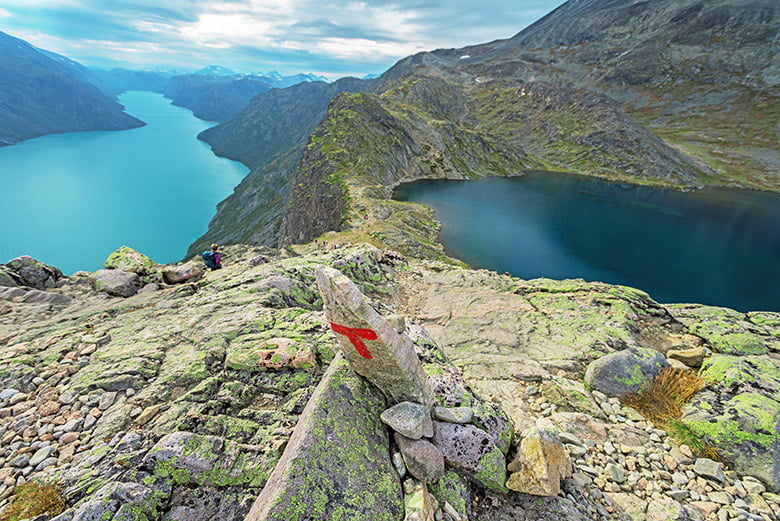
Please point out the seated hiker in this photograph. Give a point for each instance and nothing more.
(212, 258)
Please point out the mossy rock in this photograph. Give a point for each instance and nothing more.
(727, 331)
(337, 464)
(736, 374)
(127, 259)
(744, 429)
(625, 372)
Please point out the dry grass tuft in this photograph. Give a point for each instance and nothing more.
(663, 399)
(662, 403)
(33, 499)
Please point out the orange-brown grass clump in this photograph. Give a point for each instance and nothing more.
(33, 499)
(661, 402)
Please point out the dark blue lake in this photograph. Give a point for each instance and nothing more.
(71, 199)
(713, 246)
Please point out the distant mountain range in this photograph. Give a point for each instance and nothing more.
(45, 93)
(215, 93)
(42, 92)
(673, 93)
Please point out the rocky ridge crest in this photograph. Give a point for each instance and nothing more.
(178, 401)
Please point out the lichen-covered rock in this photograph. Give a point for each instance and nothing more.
(736, 374)
(625, 372)
(115, 282)
(727, 331)
(34, 273)
(455, 490)
(189, 458)
(453, 414)
(472, 451)
(280, 353)
(420, 505)
(422, 458)
(127, 259)
(569, 395)
(743, 428)
(354, 477)
(7, 277)
(540, 464)
(412, 420)
(177, 274)
(372, 346)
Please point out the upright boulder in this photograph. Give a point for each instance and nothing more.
(370, 343)
(625, 372)
(540, 465)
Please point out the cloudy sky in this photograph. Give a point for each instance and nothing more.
(330, 37)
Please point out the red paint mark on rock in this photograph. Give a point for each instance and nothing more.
(356, 336)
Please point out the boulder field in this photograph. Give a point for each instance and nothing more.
(153, 392)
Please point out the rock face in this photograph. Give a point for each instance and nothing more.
(372, 346)
(189, 272)
(352, 478)
(625, 372)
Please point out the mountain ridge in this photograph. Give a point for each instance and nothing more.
(591, 106)
(41, 95)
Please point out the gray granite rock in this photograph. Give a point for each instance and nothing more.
(412, 420)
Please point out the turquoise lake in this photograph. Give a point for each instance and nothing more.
(713, 246)
(72, 199)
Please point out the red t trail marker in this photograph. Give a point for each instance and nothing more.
(356, 336)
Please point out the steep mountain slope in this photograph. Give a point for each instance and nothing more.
(271, 147)
(42, 95)
(704, 76)
(211, 97)
(215, 93)
(671, 93)
(118, 80)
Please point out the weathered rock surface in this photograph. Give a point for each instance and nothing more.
(104, 381)
(115, 282)
(372, 346)
(625, 372)
(422, 458)
(189, 272)
(337, 463)
(32, 273)
(127, 259)
(411, 420)
(540, 465)
(473, 451)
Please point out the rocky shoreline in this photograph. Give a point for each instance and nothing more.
(178, 401)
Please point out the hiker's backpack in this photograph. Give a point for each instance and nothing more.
(208, 258)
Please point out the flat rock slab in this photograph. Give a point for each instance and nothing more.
(337, 463)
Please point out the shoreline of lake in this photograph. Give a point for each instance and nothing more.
(547, 247)
(80, 196)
